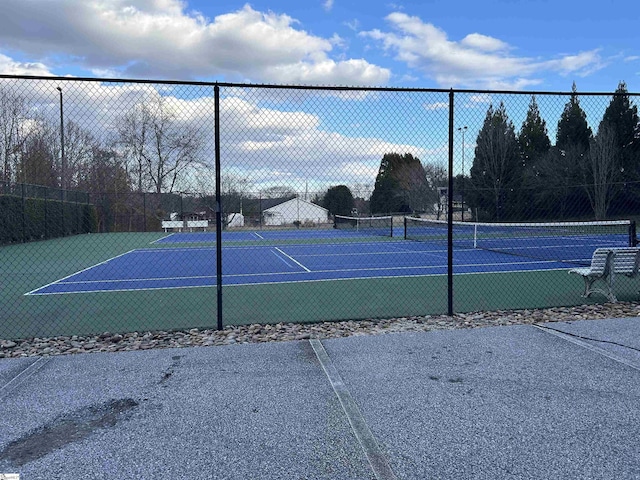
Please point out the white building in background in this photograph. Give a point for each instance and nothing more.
(235, 220)
(295, 210)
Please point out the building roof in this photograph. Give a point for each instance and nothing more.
(291, 200)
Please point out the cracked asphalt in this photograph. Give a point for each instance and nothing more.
(554, 401)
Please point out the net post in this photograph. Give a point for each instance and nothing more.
(405, 227)
(633, 239)
(475, 235)
(450, 213)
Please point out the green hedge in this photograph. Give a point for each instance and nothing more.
(29, 219)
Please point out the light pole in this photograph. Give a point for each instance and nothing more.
(63, 165)
(463, 130)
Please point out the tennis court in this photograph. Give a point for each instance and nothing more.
(126, 282)
(188, 260)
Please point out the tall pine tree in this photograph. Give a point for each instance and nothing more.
(533, 138)
(497, 169)
(620, 120)
(565, 169)
(534, 144)
(573, 130)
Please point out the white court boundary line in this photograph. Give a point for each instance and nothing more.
(162, 238)
(61, 280)
(292, 282)
(282, 260)
(292, 259)
(340, 270)
(375, 456)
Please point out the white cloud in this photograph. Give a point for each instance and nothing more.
(327, 5)
(262, 140)
(631, 58)
(8, 66)
(353, 24)
(482, 42)
(476, 61)
(159, 38)
(258, 140)
(436, 106)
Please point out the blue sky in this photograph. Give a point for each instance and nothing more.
(510, 44)
(496, 44)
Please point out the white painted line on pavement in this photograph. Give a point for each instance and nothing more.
(377, 459)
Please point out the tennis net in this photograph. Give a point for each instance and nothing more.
(367, 225)
(568, 242)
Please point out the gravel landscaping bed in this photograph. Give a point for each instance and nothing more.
(109, 342)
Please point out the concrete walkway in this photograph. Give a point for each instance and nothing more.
(558, 401)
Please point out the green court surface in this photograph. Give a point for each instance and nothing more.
(25, 267)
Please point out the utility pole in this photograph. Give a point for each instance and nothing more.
(463, 130)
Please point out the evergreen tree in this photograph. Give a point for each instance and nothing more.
(620, 121)
(401, 185)
(338, 200)
(573, 130)
(533, 139)
(566, 171)
(497, 168)
(534, 144)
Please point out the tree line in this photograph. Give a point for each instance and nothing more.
(149, 150)
(518, 176)
(522, 176)
(515, 175)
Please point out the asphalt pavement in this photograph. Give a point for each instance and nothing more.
(560, 400)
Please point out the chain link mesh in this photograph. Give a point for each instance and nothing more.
(110, 208)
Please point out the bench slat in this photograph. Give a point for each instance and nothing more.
(605, 264)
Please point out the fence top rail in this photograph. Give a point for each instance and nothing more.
(308, 87)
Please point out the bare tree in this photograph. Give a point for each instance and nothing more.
(278, 191)
(37, 162)
(133, 136)
(602, 170)
(159, 147)
(12, 136)
(79, 146)
(437, 176)
(362, 190)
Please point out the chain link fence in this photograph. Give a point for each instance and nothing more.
(144, 206)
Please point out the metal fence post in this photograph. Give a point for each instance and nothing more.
(216, 91)
(450, 213)
(24, 219)
(78, 216)
(64, 230)
(46, 227)
(144, 211)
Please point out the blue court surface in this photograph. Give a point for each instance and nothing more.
(171, 263)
